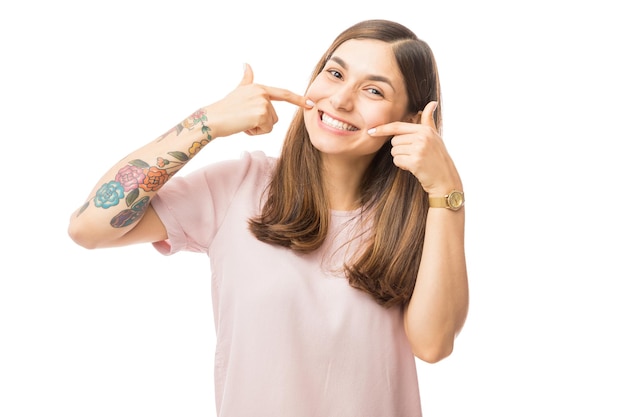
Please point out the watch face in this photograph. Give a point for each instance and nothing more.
(456, 200)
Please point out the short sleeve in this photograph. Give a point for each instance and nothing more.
(192, 207)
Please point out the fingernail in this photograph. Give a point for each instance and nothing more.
(371, 131)
(310, 103)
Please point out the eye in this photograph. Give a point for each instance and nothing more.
(375, 91)
(334, 73)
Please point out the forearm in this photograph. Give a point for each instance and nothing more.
(114, 211)
(122, 195)
(439, 304)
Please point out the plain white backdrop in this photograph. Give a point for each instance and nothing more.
(533, 103)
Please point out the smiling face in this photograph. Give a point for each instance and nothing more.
(359, 88)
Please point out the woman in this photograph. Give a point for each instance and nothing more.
(332, 265)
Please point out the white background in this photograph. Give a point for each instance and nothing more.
(534, 112)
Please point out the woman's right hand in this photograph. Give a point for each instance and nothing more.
(248, 108)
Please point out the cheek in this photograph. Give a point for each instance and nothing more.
(373, 118)
(310, 118)
(317, 90)
(376, 116)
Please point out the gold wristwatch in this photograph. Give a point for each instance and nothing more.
(453, 201)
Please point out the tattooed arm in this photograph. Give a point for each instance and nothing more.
(118, 210)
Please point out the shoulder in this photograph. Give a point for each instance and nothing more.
(248, 165)
(256, 161)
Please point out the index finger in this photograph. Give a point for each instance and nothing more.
(281, 94)
(393, 128)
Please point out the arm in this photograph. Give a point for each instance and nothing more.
(118, 211)
(438, 307)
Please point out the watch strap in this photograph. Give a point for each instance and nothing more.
(438, 202)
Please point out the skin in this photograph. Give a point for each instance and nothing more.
(361, 86)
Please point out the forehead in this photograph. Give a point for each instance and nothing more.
(370, 56)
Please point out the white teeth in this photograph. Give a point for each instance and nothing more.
(327, 120)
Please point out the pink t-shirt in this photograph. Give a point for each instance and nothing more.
(293, 338)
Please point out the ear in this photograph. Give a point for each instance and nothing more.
(414, 118)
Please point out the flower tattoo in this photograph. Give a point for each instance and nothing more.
(139, 177)
(197, 118)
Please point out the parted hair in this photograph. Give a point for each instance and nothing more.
(296, 213)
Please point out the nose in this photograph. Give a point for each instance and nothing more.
(342, 99)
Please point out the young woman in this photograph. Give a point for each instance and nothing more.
(332, 265)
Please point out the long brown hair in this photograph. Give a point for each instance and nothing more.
(296, 213)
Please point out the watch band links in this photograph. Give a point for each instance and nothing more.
(438, 202)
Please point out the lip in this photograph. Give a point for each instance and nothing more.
(334, 129)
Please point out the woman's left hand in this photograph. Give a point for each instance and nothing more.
(418, 148)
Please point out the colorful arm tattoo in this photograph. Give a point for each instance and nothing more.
(197, 118)
(139, 175)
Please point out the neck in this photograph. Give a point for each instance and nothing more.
(342, 181)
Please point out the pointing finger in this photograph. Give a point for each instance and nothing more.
(427, 118)
(281, 94)
(276, 94)
(393, 128)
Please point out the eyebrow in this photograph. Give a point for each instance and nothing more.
(371, 77)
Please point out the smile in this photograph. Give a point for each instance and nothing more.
(329, 121)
